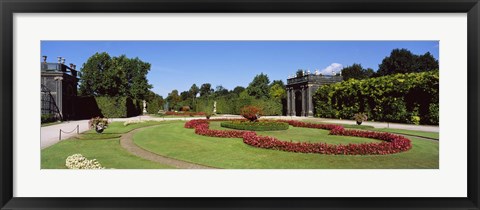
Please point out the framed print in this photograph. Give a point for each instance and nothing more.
(239, 105)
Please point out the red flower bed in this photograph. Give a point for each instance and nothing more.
(251, 113)
(392, 143)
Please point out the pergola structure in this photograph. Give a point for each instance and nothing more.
(300, 90)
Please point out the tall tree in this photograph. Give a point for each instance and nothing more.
(220, 91)
(259, 88)
(173, 98)
(206, 90)
(137, 78)
(356, 71)
(237, 90)
(404, 61)
(194, 90)
(93, 78)
(279, 82)
(103, 75)
(185, 95)
(427, 62)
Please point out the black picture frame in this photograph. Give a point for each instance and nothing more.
(9, 7)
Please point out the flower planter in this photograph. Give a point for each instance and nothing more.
(99, 129)
(359, 122)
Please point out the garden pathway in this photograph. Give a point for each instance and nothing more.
(126, 141)
(428, 128)
(50, 135)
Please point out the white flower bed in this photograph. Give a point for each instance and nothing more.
(78, 161)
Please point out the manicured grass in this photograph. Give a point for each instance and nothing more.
(297, 134)
(96, 136)
(98, 146)
(173, 140)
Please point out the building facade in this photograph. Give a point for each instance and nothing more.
(300, 91)
(58, 89)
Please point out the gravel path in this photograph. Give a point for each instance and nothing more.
(126, 141)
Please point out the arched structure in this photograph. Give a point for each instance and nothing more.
(59, 89)
(300, 91)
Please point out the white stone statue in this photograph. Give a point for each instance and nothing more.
(144, 106)
(215, 107)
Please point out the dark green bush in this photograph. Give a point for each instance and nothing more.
(269, 107)
(46, 118)
(394, 98)
(256, 126)
(154, 106)
(226, 105)
(119, 107)
(433, 115)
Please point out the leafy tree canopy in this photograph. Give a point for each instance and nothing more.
(206, 90)
(356, 71)
(221, 91)
(103, 75)
(194, 90)
(279, 82)
(259, 88)
(185, 95)
(237, 90)
(404, 61)
(278, 92)
(173, 98)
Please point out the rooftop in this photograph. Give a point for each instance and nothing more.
(315, 79)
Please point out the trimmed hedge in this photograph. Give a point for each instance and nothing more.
(118, 107)
(227, 105)
(256, 126)
(154, 106)
(403, 98)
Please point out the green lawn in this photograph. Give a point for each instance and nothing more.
(173, 140)
(103, 147)
(297, 134)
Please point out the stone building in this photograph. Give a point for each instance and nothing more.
(58, 88)
(300, 90)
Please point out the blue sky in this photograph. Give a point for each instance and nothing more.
(179, 64)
